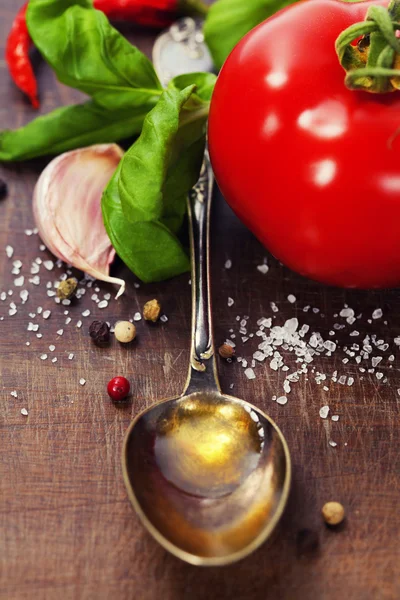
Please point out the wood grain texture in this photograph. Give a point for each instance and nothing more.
(67, 528)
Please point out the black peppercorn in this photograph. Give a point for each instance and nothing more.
(3, 189)
(99, 331)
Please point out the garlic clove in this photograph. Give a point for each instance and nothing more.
(67, 209)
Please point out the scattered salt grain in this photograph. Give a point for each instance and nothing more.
(379, 375)
(48, 264)
(282, 400)
(54, 360)
(332, 443)
(249, 373)
(14, 394)
(137, 316)
(79, 324)
(86, 313)
(103, 304)
(42, 247)
(291, 299)
(323, 412)
(71, 356)
(27, 343)
(43, 356)
(274, 307)
(228, 264)
(66, 302)
(376, 360)
(3, 296)
(9, 251)
(24, 295)
(377, 314)
(24, 412)
(12, 312)
(82, 381)
(335, 418)
(263, 269)
(52, 347)
(163, 318)
(231, 301)
(35, 280)
(46, 314)
(350, 381)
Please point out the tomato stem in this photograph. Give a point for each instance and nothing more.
(373, 64)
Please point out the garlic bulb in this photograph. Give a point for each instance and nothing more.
(67, 209)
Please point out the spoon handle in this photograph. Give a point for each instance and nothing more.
(202, 370)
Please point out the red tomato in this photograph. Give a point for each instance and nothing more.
(312, 168)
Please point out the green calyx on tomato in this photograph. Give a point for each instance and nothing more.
(372, 63)
(310, 166)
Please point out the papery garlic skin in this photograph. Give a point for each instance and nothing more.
(67, 209)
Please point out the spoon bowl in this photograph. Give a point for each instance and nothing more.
(208, 474)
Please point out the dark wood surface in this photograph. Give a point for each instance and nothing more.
(67, 528)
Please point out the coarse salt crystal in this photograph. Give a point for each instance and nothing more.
(323, 412)
(137, 316)
(39, 335)
(291, 298)
(103, 304)
(286, 387)
(228, 264)
(46, 314)
(375, 360)
(24, 412)
(282, 400)
(3, 296)
(67, 302)
(68, 320)
(27, 343)
(52, 347)
(14, 394)
(24, 295)
(335, 418)
(35, 280)
(86, 313)
(332, 443)
(274, 307)
(379, 375)
(48, 264)
(9, 251)
(42, 247)
(71, 356)
(377, 314)
(263, 269)
(79, 324)
(43, 356)
(60, 331)
(350, 381)
(12, 312)
(54, 360)
(51, 293)
(231, 301)
(82, 381)
(249, 373)
(163, 318)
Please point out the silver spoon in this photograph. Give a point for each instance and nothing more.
(207, 473)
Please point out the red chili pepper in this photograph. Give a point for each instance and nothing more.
(17, 57)
(150, 13)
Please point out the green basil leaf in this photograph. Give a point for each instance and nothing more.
(148, 248)
(228, 21)
(164, 163)
(87, 53)
(68, 128)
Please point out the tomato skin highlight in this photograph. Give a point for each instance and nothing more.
(312, 168)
